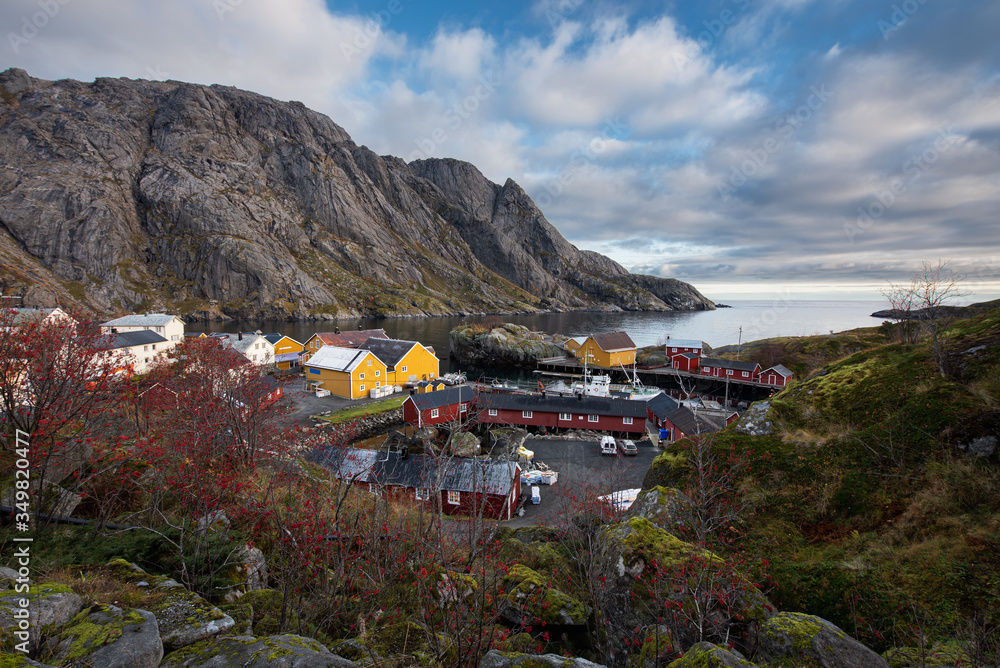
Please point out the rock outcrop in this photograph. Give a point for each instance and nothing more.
(123, 195)
(503, 345)
(808, 639)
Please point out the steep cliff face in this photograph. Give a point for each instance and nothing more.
(211, 201)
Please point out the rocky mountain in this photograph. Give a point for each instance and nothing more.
(122, 195)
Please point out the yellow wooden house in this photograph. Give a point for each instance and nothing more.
(610, 350)
(286, 351)
(349, 338)
(405, 361)
(346, 372)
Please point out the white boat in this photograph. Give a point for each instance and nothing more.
(622, 499)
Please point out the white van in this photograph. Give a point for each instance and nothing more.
(536, 495)
(608, 445)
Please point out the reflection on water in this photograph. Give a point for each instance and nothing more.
(758, 319)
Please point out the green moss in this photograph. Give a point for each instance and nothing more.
(530, 592)
(88, 636)
(801, 630)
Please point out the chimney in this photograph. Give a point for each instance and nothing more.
(336, 330)
(114, 330)
(240, 336)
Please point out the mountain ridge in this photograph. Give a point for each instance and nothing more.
(213, 202)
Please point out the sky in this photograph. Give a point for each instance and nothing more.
(820, 148)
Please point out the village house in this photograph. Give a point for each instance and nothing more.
(170, 327)
(580, 412)
(666, 414)
(405, 361)
(439, 407)
(721, 368)
(608, 351)
(777, 375)
(137, 351)
(286, 351)
(674, 347)
(253, 346)
(350, 373)
(460, 486)
(41, 316)
(686, 362)
(346, 339)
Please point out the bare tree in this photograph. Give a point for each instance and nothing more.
(937, 285)
(901, 299)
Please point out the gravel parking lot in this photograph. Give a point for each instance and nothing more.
(582, 469)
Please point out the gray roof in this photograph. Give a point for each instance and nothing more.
(781, 370)
(420, 471)
(439, 398)
(143, 337)
(728, 364)
(390, 351)
(236, 343)
(692, 422)
(577, 405)
(25, 315)
(141, 320)
(662, 405)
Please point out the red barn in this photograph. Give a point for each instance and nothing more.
(534, 410)
(421, 410)
(461, 486)
(676, 347)
(685, 361)
(720, 368)
(777, 375)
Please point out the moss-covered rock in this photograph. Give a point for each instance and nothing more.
(402, 639)
(532, 599)
(285, 651)
(497, 659)
(51, 605)
(812, 641)
(110, 637)
(660, 505)
(938, 656)
(707, 655)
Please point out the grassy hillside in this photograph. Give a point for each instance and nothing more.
(866, 498)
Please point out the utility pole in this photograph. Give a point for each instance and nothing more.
(739, 342)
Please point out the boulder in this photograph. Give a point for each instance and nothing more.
(707, 655)
(755, 422)
(660, 505)
(51, 604)
(183, 617)
(110, 637)
(284, 651)
(801, 638)
(497, 659)
(532, 599)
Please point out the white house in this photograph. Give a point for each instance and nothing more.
(251, 345)
(42, 316)
(137, 350)
(170, 327)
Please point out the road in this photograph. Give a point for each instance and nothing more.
(583, 471)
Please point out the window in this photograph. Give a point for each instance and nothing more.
(145, 349)
(626, 420)
(745, 374)
(673, 350)
(493, 412)
(374, 489)
(593, 418)
(369, 362)
(377, 383)
(434, 412)
(315, 371)
(729, 372)
(378, 373)
(403, 370)
(255, 357)
(462, 408)
(454, 498)
(361, 389)
(361, 376)
(526, 414)
(565, 416)
(422, 494)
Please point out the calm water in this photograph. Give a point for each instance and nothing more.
(759, 320)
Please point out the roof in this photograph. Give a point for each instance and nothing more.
(781, 370)
(662, 405)
(351, 338)
(26, 315)
(690, 356)
(286, 357)
(275, 337)
(439, 398)
(578, 405)
(142, 320)
(729, 364)
(335, 358)
(613, 341)
(578, 340)
(692, 422)
(235, 342)
(683, 343)
(143, 337)
(420, 471)
(390, 351)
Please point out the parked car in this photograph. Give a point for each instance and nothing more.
(608, 445)
(536, 496)
(628, 448)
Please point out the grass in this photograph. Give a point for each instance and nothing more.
(349, 414)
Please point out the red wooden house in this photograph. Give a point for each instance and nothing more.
(777, 375)
(720, 368)
(461, 486)
(596, 413)
(421, 410)
(680, 421)
(686, 361)
(676, 347)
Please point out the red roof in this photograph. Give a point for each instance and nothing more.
(351, 338)
(613, 341)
